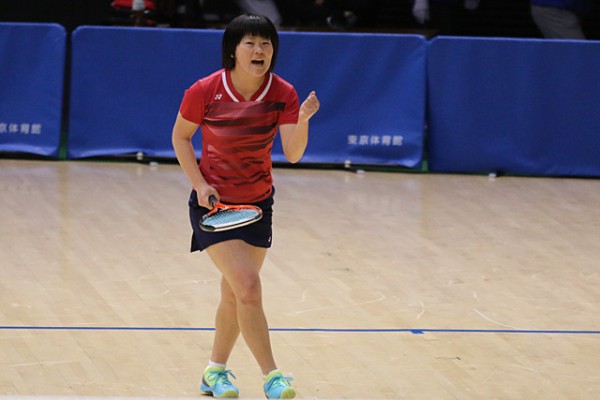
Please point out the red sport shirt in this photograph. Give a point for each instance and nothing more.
(237, 135)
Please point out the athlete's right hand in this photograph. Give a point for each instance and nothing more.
(204, 194)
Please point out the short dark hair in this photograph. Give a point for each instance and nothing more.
(247, 24)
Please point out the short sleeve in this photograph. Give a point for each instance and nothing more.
(292, 108)
(192, 105)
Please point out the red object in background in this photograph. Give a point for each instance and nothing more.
(126, 4)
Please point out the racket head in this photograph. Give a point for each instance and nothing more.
(225, 217)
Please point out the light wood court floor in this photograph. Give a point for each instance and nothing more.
(378, 286)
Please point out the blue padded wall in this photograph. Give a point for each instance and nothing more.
(127, 84)
(514, 106)
(32, 68)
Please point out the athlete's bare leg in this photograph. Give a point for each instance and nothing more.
(227, 329)
(240, 264)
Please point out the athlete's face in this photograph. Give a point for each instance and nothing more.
(253, 55)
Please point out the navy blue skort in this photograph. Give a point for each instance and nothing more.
(256, 234)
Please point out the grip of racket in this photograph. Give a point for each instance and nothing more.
(212, 200)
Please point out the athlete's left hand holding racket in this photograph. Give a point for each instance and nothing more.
(224, 217)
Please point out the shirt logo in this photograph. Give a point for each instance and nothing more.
(218, 96)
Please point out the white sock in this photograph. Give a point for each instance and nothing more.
(211, 363)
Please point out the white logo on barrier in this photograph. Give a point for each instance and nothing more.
(23, 128)
(375, 140)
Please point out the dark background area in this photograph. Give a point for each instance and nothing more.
(503, 18)
(69, 13)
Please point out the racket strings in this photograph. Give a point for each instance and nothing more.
(225, 217)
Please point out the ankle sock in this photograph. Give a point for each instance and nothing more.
(215, 364)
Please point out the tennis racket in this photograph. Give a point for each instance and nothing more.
(224, 216)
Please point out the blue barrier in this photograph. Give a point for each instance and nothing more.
(514, 106)
(32, 59)
(372, 93)
(127, 84)
(494, 105)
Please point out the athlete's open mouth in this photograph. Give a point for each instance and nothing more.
(258, 62)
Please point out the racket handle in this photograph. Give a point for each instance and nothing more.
(212, 200)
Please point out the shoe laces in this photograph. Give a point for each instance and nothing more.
(277, 381)
(221, 377)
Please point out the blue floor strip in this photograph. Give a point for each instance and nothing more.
(333, 330)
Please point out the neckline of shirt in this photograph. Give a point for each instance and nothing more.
(233, 94)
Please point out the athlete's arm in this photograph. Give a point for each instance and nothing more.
(294, 137)
(183, 130)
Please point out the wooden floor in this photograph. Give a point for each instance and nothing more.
(455, 287)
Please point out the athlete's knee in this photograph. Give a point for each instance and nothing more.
(249, 290)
